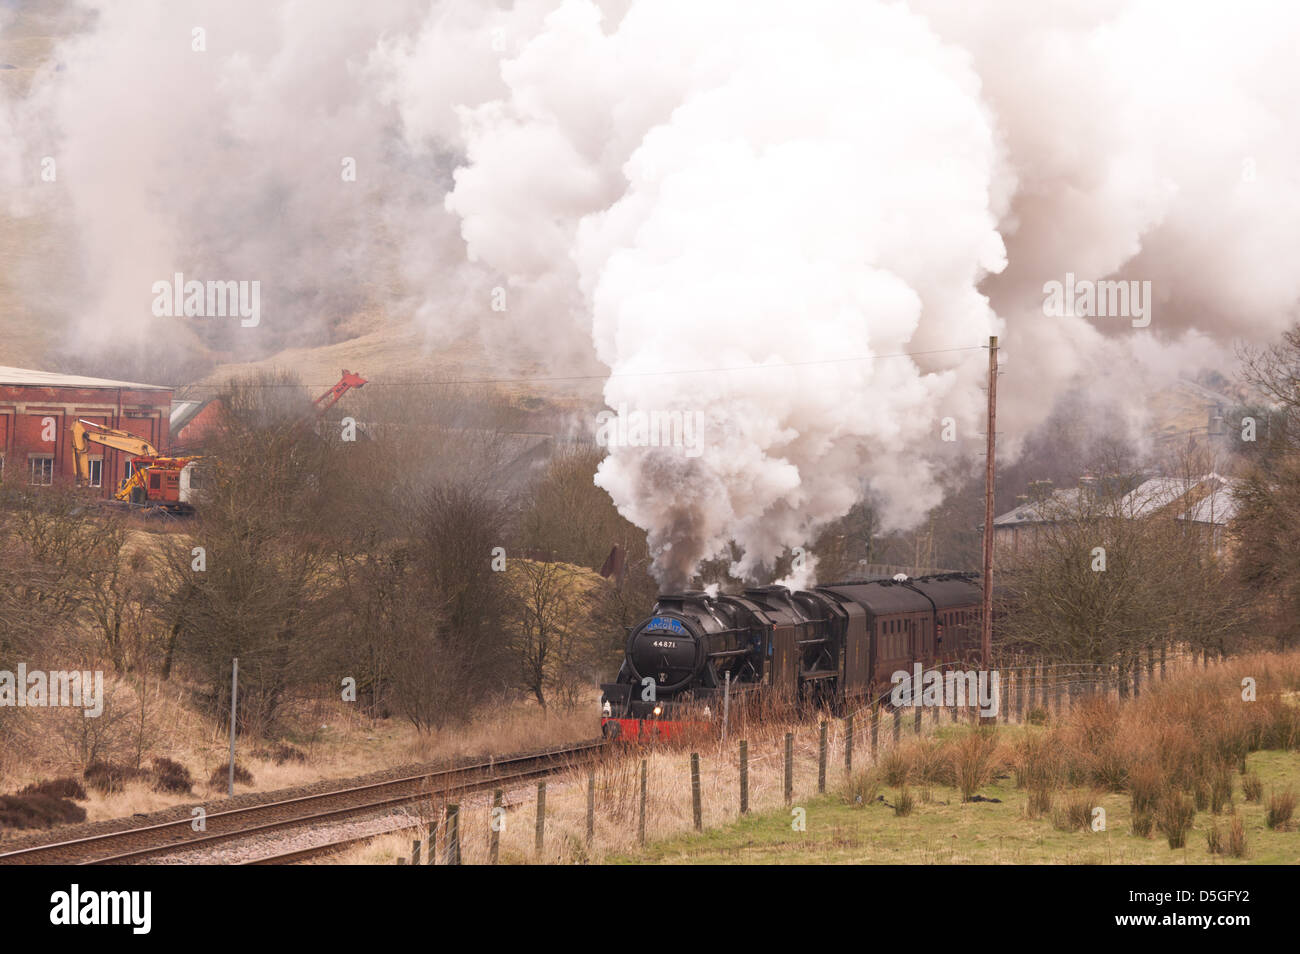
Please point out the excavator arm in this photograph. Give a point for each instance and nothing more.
(85, 433)
(331, 397)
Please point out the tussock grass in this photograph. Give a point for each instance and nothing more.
(1281, 806)
(1252, 789)
(1214, 840)
(1075, 814)
(974, 759)
(1237, 837)
(1174, 817)
(863, 788)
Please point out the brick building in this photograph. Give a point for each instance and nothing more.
(37, 409)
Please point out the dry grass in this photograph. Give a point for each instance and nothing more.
(330, 741)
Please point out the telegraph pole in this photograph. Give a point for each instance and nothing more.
(986, 621)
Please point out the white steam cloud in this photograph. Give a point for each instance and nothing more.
(835, 202)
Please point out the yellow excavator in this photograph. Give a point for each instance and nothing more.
(167, 483)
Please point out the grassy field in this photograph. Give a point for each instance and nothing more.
(943, 830)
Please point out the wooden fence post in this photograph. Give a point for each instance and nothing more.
(848, 744)
(541, 817)
(875, 729)
(821, 761)
(898, 725)
(591, 806)
(415, 852)
(640, 828)
(1020, 694)
(744, 776)
(697, 810)
(495, 821)
(789, 767)
(453, 834)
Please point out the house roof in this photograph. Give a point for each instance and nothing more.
(26, 377)
(1039, 511)
(1205, 499)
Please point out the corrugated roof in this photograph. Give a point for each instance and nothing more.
(26, 377)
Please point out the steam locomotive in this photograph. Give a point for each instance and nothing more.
(835, 645)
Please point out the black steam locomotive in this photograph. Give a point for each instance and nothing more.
(834, 645)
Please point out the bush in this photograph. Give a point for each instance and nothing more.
(1037, 762)
(1145, 786)
(973, 762)
(930, 762)
(109, 777)
(1040, 802)
(862, 788)
(221, 775)
(1144, 822)
(895, 768)
(1281, 806)
(1236, 838)
(57, 788)
(904, 804)
(1075, 815)
(1221, 788)
(282, 753)
(1214, 840)
(1201, 795)
(171, 776)
(1174, 817)
(38, 811)
(1252, 789)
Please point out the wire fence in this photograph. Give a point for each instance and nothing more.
(646, 793)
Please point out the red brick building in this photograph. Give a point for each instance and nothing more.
(37, 409)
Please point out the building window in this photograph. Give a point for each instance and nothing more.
(95, 472)
(42, 469)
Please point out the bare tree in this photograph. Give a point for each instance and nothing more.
(550, 628)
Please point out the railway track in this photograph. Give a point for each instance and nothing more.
(150, 842)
